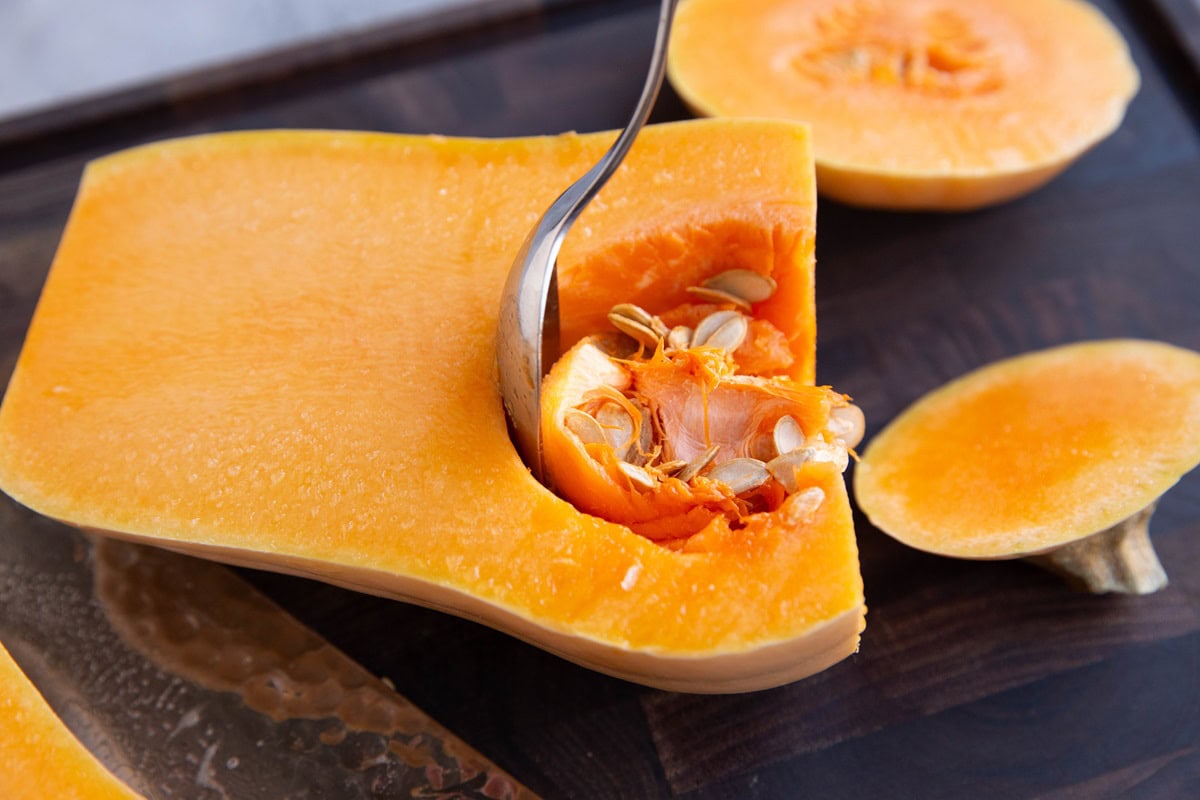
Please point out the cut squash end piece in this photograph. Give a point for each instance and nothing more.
(1059, 454)
(39, 756)
(944, 105)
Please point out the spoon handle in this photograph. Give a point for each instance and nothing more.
(576, 196)
(529, 303)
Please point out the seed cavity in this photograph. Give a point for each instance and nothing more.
(901, 47)
(628, 421)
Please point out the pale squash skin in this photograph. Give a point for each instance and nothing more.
(276, 349)
(1003, 99)
(1034, 453)
(39, 757)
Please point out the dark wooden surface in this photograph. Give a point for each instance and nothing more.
(981, 680)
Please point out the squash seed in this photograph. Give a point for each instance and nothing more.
(847, 424)
(633, 312)
(698, 463)
(637, 331)
(783, 468)
(749, 286)
(823, 453)
(641, 316)
(787, 435)
(679, 337)
(724, 329)
(669, 468)
(584, 426)
(614, 419)
(741, 475)
(638, 476)
(645, 444)
(717, 296)
(806, 503)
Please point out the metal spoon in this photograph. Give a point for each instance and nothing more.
(527, 339)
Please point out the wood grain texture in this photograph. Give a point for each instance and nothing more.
(987, 680)
(1182, 19)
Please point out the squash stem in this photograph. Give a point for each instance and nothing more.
(1117, 559)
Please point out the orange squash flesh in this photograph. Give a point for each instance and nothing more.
(39, 756)
(276, 349)
(923, 104)
(1036, 452)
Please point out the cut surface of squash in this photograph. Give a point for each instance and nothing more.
(277, 349)
(915, 104)
(39, 756)
(1036, 452)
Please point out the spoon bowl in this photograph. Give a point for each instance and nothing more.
(527, 339)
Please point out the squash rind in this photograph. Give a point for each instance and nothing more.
(714, 671)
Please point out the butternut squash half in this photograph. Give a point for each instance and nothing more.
(1058, 455)
(915, 104)
(276, 349)
(39, 756)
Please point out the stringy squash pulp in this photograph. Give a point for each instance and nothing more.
(687, 433)
(277, 349)
(937, 104)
